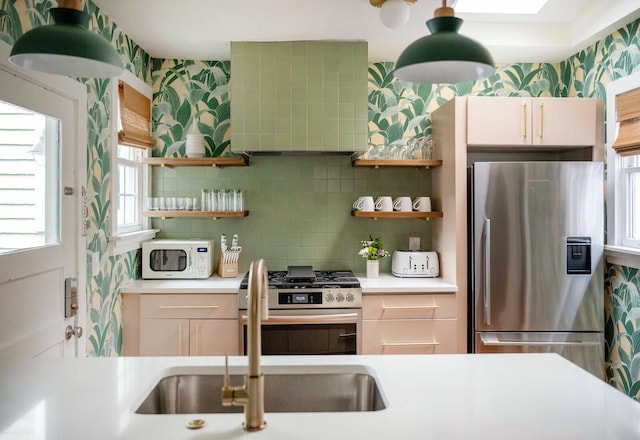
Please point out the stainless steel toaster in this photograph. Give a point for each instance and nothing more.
(406, 263)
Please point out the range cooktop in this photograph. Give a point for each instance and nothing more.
(304, 277)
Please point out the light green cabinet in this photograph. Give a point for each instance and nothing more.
(299, 96)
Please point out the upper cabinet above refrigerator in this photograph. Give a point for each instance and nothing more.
(534, 122)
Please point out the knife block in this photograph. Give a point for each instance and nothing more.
(226, 270)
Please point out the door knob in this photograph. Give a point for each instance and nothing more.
(72, 331)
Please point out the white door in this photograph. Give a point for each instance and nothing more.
(41, 243)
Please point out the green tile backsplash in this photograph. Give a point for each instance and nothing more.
(299, 96)
(300, 209)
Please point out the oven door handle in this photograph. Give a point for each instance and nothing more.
(306, 319)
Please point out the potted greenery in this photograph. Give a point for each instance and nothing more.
(373, 250)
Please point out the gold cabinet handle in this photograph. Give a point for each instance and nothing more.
(197, 338)
(541, 121)
(524, 112)
(179, 339)
(425, 307)
(190, 307)
(410, 344)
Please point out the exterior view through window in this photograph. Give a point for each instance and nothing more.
(631, 179)
(129, 191)
(29, 179)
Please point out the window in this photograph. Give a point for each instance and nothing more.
(623, 171)
(130, 191)
(630, 209)
(132, 129)
(29, 179)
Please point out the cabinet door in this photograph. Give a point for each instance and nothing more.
(409, 336)
(564, 121)
(164, 337)
(214, 337)
(496, 121)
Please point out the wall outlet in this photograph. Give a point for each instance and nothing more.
(95, 264)
(414, 243)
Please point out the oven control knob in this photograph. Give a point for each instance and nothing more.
(339, 297)
(350, 297)
(329, 297)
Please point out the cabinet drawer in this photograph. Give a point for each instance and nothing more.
(189, 306)
(410, 306)
(414, 336)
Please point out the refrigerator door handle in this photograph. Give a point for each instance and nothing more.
(494, 339)
(487, 272)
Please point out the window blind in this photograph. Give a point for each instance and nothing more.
(628, 116)
(134, 128)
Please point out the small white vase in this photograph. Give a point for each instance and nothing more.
(373, 268)
(194, 146)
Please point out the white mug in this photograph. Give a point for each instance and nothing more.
(422, 204)
(402, 204)
(364, 203)
(384, 203)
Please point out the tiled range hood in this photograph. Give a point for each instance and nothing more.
(299, 96)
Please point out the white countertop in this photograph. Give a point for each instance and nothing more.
(386, 283)
(494, 396)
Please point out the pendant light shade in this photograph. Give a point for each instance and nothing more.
(67, 47)
(445, 56)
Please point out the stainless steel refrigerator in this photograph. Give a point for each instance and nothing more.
(536, 262)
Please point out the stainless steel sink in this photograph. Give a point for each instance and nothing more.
(284, 392)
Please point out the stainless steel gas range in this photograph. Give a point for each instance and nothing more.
(310, 312)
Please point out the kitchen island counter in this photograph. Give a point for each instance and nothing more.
(523, 396)
(386, 283)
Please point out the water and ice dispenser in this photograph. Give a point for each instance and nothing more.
(578, 255)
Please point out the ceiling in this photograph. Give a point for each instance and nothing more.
(202, 29)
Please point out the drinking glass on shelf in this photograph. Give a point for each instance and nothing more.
(204, 198)
(194, 204)
(162, 203)
(188, 204)
(213, 200)
(172, 203)
(181, 203)
(238, 200)
(222, 200)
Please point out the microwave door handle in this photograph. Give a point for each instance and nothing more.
(190, 260)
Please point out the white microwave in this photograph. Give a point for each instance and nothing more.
(180, 259)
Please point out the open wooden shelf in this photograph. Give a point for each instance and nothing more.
(196, 214)
(215, 162)
(396, 214)
(378, 163)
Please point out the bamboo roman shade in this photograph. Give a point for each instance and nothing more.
(628, 115)
(135, 117)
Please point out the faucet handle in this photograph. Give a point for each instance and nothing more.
(227, 389)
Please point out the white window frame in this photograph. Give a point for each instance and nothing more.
(619, 250)
(128, 238)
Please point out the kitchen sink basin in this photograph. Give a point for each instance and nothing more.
(284, 392)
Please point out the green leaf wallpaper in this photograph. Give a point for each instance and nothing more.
(185, 93)
(188, 92)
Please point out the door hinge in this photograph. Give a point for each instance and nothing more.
(69, 191)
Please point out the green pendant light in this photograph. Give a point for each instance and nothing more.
(445, 56)
(67, 47)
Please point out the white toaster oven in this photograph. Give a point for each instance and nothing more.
(406, 263)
